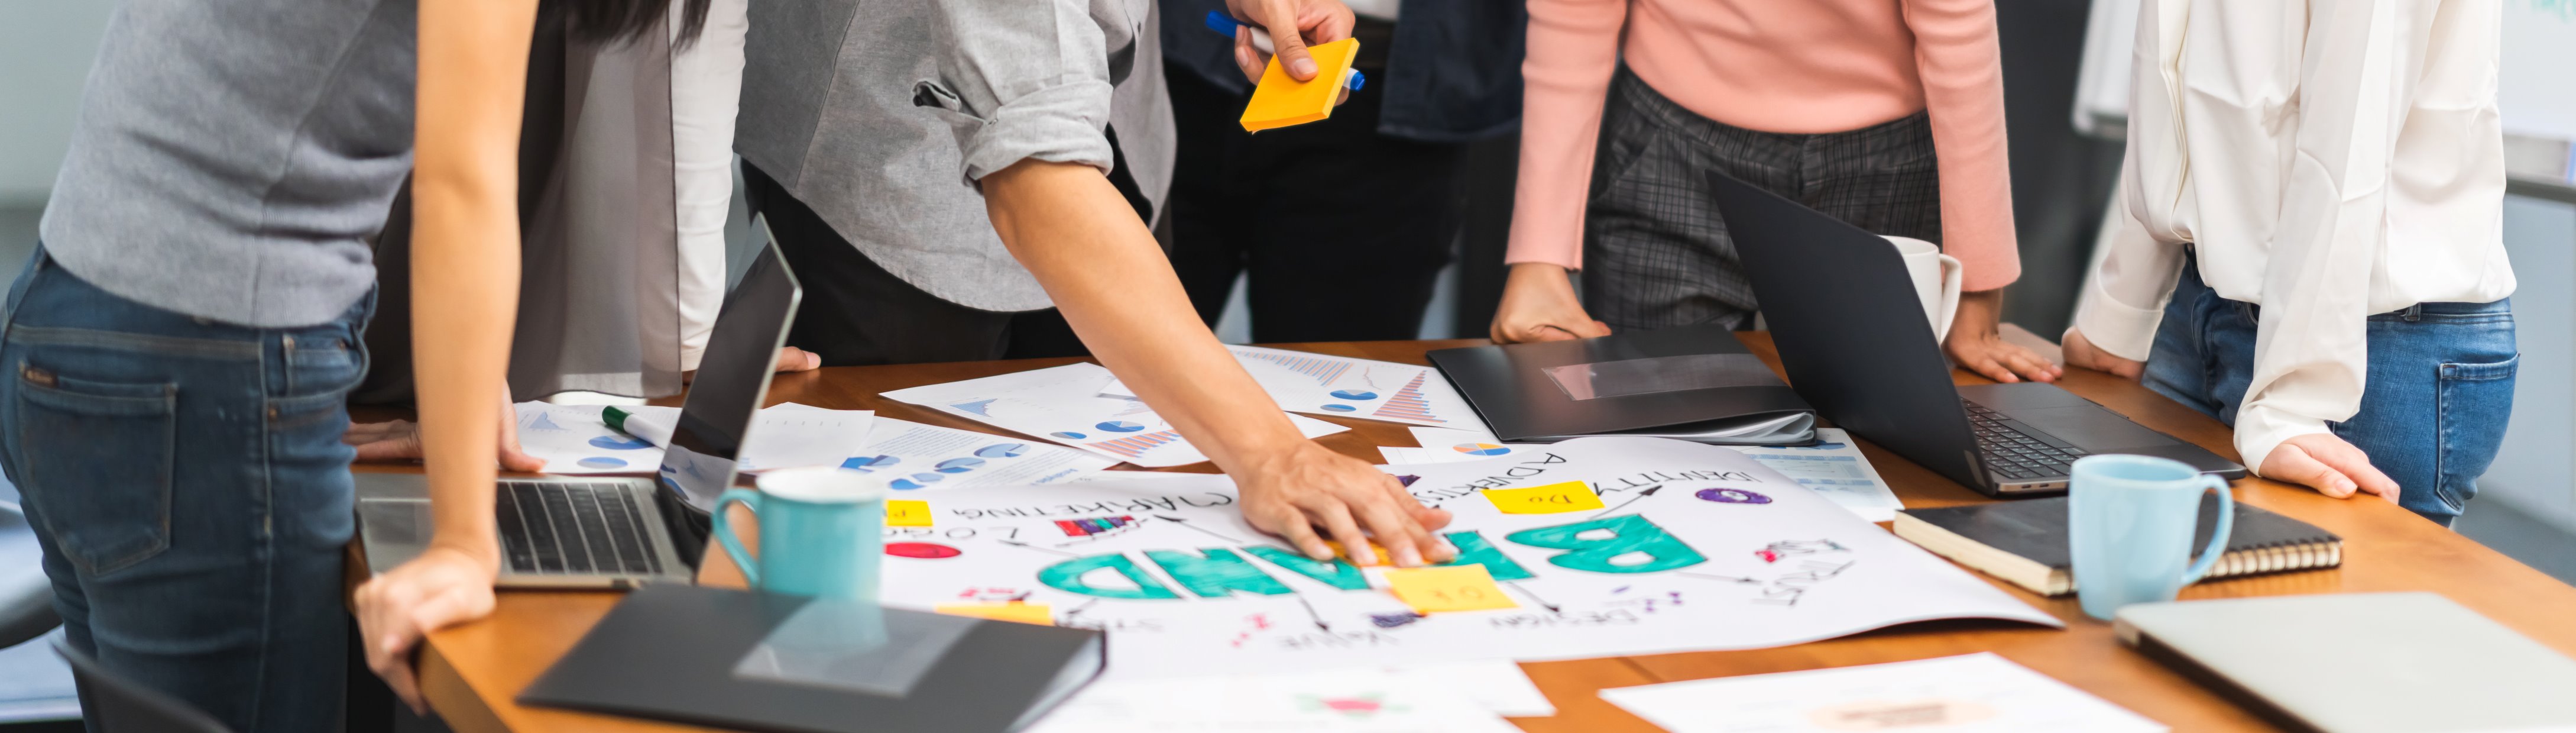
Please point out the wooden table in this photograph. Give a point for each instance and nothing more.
(472, 672)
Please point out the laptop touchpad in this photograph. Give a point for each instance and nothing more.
(395, 523)
(2091, 428)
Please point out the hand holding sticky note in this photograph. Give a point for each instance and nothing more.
(1447, 588)
(1281, 100)
(1570, 496)
(901, 513)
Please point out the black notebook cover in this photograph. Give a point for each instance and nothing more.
(670, 652)
(1688, 379)
(2034, 530)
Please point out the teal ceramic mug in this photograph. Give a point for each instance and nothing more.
(2129, 525)
(822, 532)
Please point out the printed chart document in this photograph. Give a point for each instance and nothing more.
(1341, 701)
(1975, 693)
(1691, 547)
(1343, 386)
(573, 439)
(1065, 404)
(785, 435)
(1833, 467)
(921, 456)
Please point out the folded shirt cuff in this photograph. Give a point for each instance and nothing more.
(2127, 331)
(1066, 123)
(2261, 429)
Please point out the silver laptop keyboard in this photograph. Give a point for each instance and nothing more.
(2017, 454)
(554, 528)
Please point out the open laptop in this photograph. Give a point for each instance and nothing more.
(600, 532)
(1853, 338)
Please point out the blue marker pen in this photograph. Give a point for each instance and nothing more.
(1218, 21)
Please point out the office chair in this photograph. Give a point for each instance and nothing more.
(26, 595)
(116, 705)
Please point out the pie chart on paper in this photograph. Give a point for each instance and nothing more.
(959, 465)
(1481, 449)
(1119, 426)
(1354, 394)
(1004, 450)
(1068, 435)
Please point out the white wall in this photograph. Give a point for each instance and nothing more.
(2532, 473)
(45, 51)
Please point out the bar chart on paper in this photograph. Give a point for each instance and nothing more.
(1069, 405)
(1363, 388)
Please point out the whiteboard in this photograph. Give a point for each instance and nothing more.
(2535, 88)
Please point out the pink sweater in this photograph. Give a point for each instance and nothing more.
(1786, 66)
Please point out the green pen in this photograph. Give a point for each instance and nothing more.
(615, 418)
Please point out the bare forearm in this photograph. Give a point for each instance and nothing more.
(1070, 227)
(465, 249)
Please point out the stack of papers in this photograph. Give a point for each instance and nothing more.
(1066, 405)
(1341, 386)
(575, 439)
(1982, 693)
(1833, 467)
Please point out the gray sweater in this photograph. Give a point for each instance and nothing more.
(232, 156)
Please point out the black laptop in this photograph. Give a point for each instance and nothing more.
(1853, 338)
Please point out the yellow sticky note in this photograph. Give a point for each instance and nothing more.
(1448, 588)
(1571, 496)
(1017, 612)
(1281, 100)
(907, 514)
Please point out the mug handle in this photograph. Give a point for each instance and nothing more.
(1952, 273)
(2217, 539)
(733, 545)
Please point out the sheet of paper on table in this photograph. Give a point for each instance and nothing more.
(1974, 693)
(1342, 386)
(1695, 547)
(1339, 701)
(573, 439)
(785, 435)
(1064, 404)
(1833, 467)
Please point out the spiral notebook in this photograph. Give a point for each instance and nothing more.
(2024, 542)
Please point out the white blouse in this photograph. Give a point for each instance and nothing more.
(2326, 160)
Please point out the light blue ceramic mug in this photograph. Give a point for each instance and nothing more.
(2129, 523)
(822, 533)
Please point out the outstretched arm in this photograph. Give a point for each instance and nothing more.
(1070, 227)
(465, 280)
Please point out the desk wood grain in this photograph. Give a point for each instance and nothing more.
(471, 673)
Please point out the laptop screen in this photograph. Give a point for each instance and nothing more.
(741, 353)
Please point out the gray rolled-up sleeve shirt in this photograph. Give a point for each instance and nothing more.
(881, 116)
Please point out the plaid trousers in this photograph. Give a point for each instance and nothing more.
(1655, 252)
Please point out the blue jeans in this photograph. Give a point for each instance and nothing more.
(187, 483)
(2433, 408)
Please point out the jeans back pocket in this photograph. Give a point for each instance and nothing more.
(2476, 403)
(96, 460)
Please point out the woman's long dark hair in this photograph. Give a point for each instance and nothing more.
(623, 20)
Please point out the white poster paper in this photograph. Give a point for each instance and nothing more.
(1693, 547)
(1064, 404)
(1973, 693)
(572, 439)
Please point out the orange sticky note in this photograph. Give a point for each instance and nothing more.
(907, 513)
(1016, 612)
(1281, 100)
(1448, 588)
(1379, 551)
(1570, 496)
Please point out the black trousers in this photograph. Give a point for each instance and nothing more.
(1343, 230)
(855, 313)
